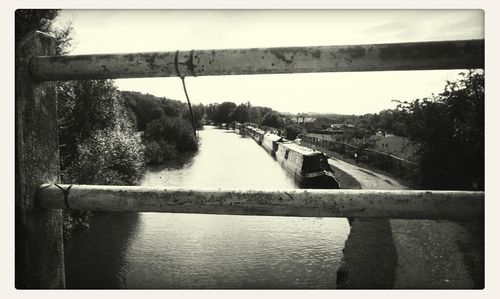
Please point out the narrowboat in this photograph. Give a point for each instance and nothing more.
(270, 143)
(257, 134)
(309, 168)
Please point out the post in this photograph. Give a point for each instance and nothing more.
(39, 260)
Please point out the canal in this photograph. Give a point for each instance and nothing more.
(166, 250)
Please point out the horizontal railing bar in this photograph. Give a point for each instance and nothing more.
(460, 54)
(393, 204)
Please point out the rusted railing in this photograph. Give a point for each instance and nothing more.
(394, 204)
(39, 249)
(354, 58)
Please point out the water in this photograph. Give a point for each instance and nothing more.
(166, 250)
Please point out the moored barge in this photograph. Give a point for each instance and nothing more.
(270, 143)
(256, 134)
(309, 168)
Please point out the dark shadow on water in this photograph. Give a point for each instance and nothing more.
(182, 160)
(370, 256)
(95, 258)
(472, 249)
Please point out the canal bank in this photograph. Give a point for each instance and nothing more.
(408, 254)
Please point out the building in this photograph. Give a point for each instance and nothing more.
(303, 120)
(395, 145)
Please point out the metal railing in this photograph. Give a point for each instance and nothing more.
(353, 58)
(39, 251)
(394, 204)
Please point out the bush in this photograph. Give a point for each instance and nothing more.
(167, 136)
(110, 157)
(449, 129)
(291, 132)
(159, 152)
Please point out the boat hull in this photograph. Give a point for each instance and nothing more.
(324, 181)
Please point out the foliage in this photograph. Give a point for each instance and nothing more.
(97, 145)
(292, 132)
(158, 152)
(110, 157)
(199, 115)
(229, 112)
(88, 111)
(241, 113)
(450, 130)
(257, 113)
(166, 124)
(164, 136)
(389, 121)
(224, 112)
(272, 119)
(85, 107)
(210, 111)
(27, 20)
(146, 108)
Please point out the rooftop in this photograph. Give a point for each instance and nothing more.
(300, 149)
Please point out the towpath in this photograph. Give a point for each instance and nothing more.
(368, 179)
(410, 254)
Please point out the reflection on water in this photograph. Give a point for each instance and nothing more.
(95, 258)
(163, 250)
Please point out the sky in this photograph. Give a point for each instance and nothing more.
(122, 31)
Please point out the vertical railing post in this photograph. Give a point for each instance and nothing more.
(39, 241)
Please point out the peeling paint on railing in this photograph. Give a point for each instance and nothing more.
(462, 54)
(394, 204)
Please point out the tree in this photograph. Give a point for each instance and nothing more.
(241, 113)
(27, 20)
(198, 112)
(167, 136)
(97, 145)
(224, 112)
(211, 111)
(449, 129)
(272, 119)
(148, 107)
(292, 132)
(85, 107)
(110, 157)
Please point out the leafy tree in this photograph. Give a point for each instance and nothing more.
(211, 111)
(96, 143)
(110, 157)
(257, 113)
(199, 115)
(83, 108)
(292, 132)
(167, 136)
(27, 20)
(241, 113)
(148, 107)
(450, 131)
(224, 112)
(272, 119)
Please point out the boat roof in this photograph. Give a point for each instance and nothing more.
(273, 137)
(300, 149)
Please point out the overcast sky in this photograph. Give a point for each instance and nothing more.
(118, 31)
